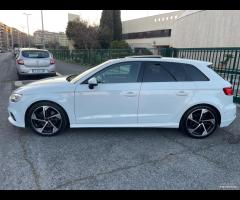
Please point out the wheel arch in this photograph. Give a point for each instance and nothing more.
(40, 101)
(203, 104)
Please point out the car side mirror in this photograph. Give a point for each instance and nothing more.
(92, 82)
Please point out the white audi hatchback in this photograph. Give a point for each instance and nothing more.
(137, 91)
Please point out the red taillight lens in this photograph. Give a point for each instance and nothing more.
(228, 91)
(52, 61)
(20, 62)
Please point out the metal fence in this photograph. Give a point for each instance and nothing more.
(225, 62)
(91, 56)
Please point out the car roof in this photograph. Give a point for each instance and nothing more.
(34, 49)
(166, 59)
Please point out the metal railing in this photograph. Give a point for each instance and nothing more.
(91, 56)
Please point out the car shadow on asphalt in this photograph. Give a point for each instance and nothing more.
(35, 77)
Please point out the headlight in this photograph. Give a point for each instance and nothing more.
(15, 97)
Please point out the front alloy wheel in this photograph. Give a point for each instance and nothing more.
(46, 119)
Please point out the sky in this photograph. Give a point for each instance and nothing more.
(56, 20)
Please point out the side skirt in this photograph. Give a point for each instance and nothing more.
(147, 125)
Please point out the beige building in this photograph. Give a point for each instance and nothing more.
(11, 37)
(61, 38)
(72, 17)
(207, 28)
(150, 32)
(185, 29)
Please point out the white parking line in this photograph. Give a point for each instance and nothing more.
(58, 74)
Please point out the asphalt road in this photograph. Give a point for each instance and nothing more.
(70, 68)
(113, 158)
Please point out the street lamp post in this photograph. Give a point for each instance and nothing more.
(28, 29)
(43, 35)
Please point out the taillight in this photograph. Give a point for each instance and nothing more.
(52, 61)
(20, 62)
(228, 91)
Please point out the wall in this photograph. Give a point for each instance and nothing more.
(151, 23)
(207, 28)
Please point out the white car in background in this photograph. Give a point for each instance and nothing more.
(32, 61)
(145, 91)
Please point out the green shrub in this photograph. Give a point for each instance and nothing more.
(119, 44)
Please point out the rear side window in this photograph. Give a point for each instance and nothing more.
(154, 72)
(194, 73)
(177, 70)
(171, 72)
(184, 72)
(35, 54)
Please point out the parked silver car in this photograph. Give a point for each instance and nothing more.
(32, 61)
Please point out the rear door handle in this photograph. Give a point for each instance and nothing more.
(181, 93)
(129, 94)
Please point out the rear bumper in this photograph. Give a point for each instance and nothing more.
(34, 74)
(228, 115)
(23, 70)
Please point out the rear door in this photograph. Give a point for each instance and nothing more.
(165, 91)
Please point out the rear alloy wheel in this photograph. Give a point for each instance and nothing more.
(47, 119)
(200, 122)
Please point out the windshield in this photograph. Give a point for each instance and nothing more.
(88, 71)
(35, 54)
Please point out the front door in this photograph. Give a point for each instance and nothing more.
(114, 101)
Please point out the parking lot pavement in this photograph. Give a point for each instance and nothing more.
(69, 68)
(123, 158)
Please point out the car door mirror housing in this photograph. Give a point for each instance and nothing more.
(92, 82)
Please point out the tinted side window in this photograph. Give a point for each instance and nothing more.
(154, 72)
(119, 73)
(195, 74)
(176, 70)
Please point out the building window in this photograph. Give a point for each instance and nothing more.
(171, 17)
(166, 18)
(147, 34)
(176, 17)
(155, 20)
(163, 19)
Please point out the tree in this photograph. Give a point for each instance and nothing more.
(106, 28)
(110, 27)
(117, 25)
(82, 34)
(116, 44)
(52, 45)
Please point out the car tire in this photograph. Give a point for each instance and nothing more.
(46, 124)
(199, 122)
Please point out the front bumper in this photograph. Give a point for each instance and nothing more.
(16, 115)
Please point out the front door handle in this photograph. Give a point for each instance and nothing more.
(181, 93)
(129, 94)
